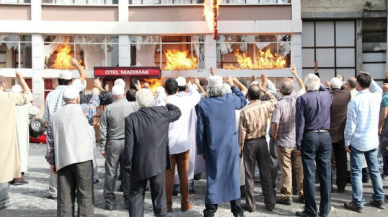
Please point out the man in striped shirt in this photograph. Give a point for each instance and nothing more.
(252, 131)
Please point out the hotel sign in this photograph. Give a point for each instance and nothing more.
(149, 72)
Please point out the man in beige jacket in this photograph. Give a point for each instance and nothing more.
(10, 165)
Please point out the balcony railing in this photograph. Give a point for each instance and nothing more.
(169, 2)
(80, 2)
(16, 1)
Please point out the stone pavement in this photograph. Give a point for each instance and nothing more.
(29, 200)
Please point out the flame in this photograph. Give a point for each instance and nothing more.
(179, 60)
(63, 57)
(154, 83)
(209, 14)
(263, 60)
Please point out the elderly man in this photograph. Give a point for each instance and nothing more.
(312, 121)
(111, 141)
(252, 131)
(283, 120)
(361, 140)
(23, 115)
(54, 101)
(351, 86)
(217, 141)
(9, 154)
(71, 154)
(338, 113)
(146, 153)
(179, 141)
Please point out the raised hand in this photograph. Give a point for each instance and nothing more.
(341, 77)
(316, 66)
(264, 77)
(138, 85)
(74, 62)
(229, 80)
(293, 70)
(19, 75)
(212, 71)
(106, 87)
(196, 81)
(254, 78)
(97, 83)
(327, 83)
(189, 84)
(386, 73)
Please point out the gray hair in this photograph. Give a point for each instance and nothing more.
(312, 82)
(286, 86)
(69, 100)
(119, 81)
(216, 91)
(145, 98)
(352, 82)
(336, 83)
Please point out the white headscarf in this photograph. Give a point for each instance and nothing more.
(160, 100)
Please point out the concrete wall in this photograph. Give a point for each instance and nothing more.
(340, 5)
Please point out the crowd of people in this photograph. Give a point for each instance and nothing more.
(158, 141)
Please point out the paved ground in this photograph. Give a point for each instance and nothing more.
(29, 200)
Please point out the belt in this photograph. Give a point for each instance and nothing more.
(316, 131)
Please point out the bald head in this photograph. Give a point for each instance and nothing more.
(286, 87)
(254, 92)
(2, 82)
(351, 83)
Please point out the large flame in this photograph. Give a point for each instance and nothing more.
(209, 12)
(63, 57)
(263, 60)
(154, 83)
(179, 60)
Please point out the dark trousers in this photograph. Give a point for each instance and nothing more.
(114, 151)
(256, 151)
(74, 177)
(211, 209)
(274, 164)
(341, 163)
(385, 164)
(317, 147)
(158, 196)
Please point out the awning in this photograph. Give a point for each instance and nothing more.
(127, 72)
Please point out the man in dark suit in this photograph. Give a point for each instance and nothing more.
(146, 153)
(338, 114)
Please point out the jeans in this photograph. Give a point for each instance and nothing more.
(356, 163)
(385, 164)
(317, 147)
(4, 197)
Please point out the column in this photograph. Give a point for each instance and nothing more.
(296, 57)
(358, 45)
(210, 52)
(124, 42)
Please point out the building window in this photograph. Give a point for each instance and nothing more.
(168, 52)
(332, 44)
(90, 51)
(15, 51)
(169, 2)
(253, 51)
(80, 2)
(15, 1)
(10, 82)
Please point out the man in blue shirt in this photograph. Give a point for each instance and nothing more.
(383, 115)
(361, 139)
(312, 121)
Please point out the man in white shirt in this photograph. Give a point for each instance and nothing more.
(361, 139)
(179, 141)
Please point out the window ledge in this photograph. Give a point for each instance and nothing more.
(79, 5)
(193, 5)
(1, 3)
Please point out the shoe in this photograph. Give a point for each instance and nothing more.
(341, 190)
(294, 192)
(285, 201)
(352, 206)
(109, 206)
(189, 207)
(21, 182)
(5, 205)
(301, 199)
(191, 191)
(241, 214)
(95, 182)
(52, 197)
(269, 207)
(247, 208)
(304, 214)
(377, 204)
(175, 193)
(384, 176)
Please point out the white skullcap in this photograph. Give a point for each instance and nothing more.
(119, 82)
(16, 89)
(227, 88)
(214, 81)
(254, 82)
(336, 83)
(65, 75)
(181, 81)
(160, 90)
(117, 90)
(71, 93)
(84, 85)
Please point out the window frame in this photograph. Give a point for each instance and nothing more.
(20, 42)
